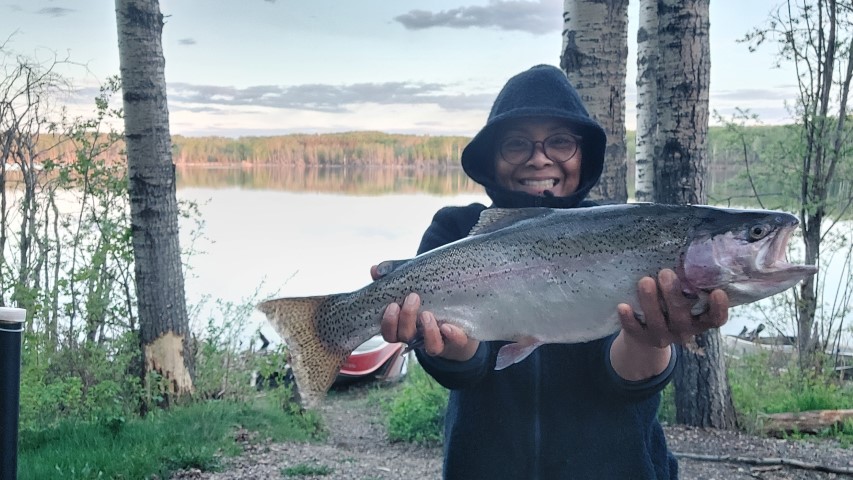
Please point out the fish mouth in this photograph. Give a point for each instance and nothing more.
(776, 253)
(773, 259)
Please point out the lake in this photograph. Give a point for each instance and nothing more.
(282, 231)
(317, 235)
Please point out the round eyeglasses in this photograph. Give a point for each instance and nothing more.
(560, 147)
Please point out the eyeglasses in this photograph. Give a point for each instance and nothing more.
(560, 147)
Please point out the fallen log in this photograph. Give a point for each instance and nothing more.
(815, 421)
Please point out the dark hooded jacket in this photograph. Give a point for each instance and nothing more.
(563, 412)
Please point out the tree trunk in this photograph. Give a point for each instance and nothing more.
(683, 77)
(703, 397)
(163, 319)
(702, 394)
(595, 56)
(647, 65)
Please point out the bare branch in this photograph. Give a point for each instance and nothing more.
(767, 461)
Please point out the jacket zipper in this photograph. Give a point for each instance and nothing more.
(536, 416)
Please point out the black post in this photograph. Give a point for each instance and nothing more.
(11, 327)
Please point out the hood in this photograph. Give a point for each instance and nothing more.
(542, 91)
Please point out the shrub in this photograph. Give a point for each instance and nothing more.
(417, 414)
(763, 384)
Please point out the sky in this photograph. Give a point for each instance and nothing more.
(267, 67)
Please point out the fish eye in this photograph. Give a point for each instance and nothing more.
(758, 231)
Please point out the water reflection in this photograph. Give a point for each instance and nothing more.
(288, 231)
(342, 180)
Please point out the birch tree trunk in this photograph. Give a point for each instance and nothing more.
(702, 393)
(163, 319)
(647, 108)
(595, 56)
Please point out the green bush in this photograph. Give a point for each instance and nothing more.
(193, 436)
(417, 413)
(666, 411)
(761, 384)
(88, 382)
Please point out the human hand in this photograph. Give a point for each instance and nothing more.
(666, 313)
(406, 323)
(641, 350)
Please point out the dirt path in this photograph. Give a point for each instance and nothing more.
(357, 449)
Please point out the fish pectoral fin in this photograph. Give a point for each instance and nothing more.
(513, 353)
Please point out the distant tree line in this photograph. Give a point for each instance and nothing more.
(334, 149)
(386, 149)
(725, 150)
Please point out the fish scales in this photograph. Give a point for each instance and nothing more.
(552, 276)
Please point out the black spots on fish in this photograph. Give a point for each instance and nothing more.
(330, 323)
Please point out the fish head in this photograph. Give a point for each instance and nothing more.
(744, 253)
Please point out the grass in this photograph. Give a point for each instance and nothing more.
(303, 470)
(194, 436)
(761, 384)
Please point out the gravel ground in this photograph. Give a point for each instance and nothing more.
(357, 449)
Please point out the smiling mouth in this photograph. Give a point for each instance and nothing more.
(549, 183)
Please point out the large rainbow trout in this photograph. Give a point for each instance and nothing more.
(538, 275)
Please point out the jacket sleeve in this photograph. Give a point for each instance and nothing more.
(448, 225)
(611, 382)
(456, 375)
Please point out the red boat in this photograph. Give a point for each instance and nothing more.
(375, 359)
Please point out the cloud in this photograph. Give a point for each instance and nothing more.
(327, 98)
(204, 109)
(536, 17)
(753, 94)
(55, 11)
(187, 41)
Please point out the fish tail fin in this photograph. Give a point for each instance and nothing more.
(316, 361)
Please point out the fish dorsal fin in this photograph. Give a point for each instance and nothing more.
(494, 219)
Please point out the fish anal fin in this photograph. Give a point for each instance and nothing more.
(513, 353)
(315, 362)
(494, 219)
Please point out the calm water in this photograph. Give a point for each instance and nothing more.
(297, 232)
(304, 237)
